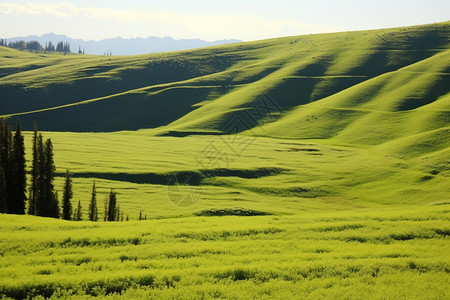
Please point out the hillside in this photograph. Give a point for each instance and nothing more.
(309, 167)
(357, 78)
(382, 95)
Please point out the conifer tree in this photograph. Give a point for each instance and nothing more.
(105, 213)
(34, 187)
(93, 215)
(5, 164)
(112, 206)
(47, 203)
(40, 205)
(2, 191)
(79, 212)
(50, 47)
(60, 47)
(18, 180)
(67, 196)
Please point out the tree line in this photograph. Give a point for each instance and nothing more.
(36, 46)
(42, 198)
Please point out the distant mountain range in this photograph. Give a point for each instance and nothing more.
(121, 46)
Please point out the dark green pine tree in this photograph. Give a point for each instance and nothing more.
(2, 191)
(18, 173)
(105, 213)
(93, 205)
(5, 163)
(79, 212)
(2, 171)
(45, 200)
(49, 175)
(112, 206)
(40, 204)
(34, 187)
(67, 196)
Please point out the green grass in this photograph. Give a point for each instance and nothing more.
(337, 185)
(357, 78)
(248, 172)
(386, 253)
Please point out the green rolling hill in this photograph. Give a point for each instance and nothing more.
(359, 78)
(335, 148)
(382, 97)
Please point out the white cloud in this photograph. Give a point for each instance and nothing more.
(242, 26)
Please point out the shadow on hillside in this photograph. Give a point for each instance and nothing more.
(183, 177)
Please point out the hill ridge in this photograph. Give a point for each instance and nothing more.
(204, 90)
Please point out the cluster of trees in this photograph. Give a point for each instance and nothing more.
(36, 46)
(112, 209)
(12, 169)
(43, 199)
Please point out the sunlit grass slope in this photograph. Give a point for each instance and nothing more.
(360, 119)
(382, 254)
(351, 73)
(278, 176)
(411, 100)
(343, 149)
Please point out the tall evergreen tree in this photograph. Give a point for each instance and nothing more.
(79, 212)
(112, 206)
(93, 205)
(40, 205)
(59, 47)
(46, 203)
(3, 195)
(67, 196)
(105, 213)
(49, 177)
(19, 179)
(5, 163)
(49, 47)
(34, 187)
(2, 192)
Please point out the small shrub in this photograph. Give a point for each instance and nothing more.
(243, 212)
(44, 272)
(126, 257)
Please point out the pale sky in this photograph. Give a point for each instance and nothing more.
(211, 20)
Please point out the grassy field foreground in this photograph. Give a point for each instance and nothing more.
(376, 254)
(346, 222)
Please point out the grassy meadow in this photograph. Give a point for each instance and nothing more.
(336, 146)
(364, 254)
